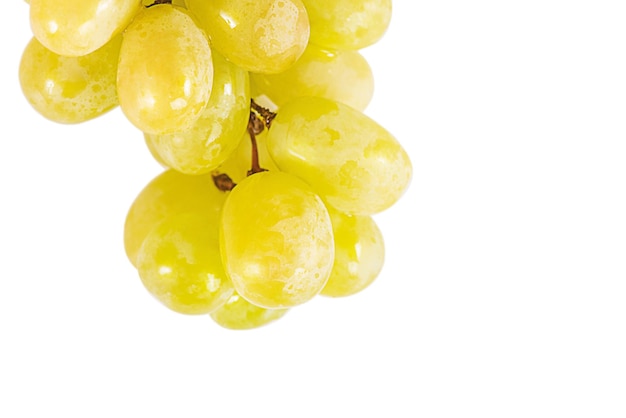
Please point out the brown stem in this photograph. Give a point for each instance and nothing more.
(223, 182)
(267, 115)
(255, 127)
(156, 2)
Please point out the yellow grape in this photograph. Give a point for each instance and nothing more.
(343, 76)
(179, 263)
(347, 24)
(238, 313)
(353, 163)
(165, 70)
(75, 28)
(168, 194)
(276, 240)
(264, 36)
(359, 254)
(218, 130)
(70, 89)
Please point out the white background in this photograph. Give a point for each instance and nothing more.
(503, 293)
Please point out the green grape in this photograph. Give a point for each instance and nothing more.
(353, 163)
(216, 134)
(359, 254)
(179, 263)
(168, 194)
(70, 89)
(347, 24)
(264, 36)
(165, 71)
(75, 28)
(238, 313)
(240, 161)
(343, 76)
(276, 240)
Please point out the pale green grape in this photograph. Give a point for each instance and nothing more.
(347, 24)
(264, 36)
(74, 28)
(359, 254)
(179, 263)
(276, 240)
(238, 313)
(240, 161)
(169, 194)
(165, 71)
(70, 89)
(353, 163)
(216, 134)
(344, 76)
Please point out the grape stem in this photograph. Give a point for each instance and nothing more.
(223, 181)
(255, 127)
(156, 2)
(266, 114)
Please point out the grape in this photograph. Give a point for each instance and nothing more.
(165, 70)
(75, 28)
(344, 76)
(353, 163)
(276, 240)
(168, 194)
(359, 254)
(347, 24)
(216, 134)
(238, 313)
(264, 36)
(179, 263)
(70, 89)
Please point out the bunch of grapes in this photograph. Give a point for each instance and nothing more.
(255, 107)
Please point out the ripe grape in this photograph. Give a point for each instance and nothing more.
(165, 71)
(179, 263)
(168, 194)
(216, 134)
(264, 36)
(238, 313)
(353, 163)
(347, 24)
(75, 28)
(359, 254)
(70, 89)
(343, 76)
(276, 240)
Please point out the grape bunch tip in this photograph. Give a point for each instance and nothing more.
(255, 110)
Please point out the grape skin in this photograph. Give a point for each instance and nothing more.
(238, 313)
(263, 36)
(76, 28)
(165, 71)
(276, 240)
(70, 89)
(168, 194)
(179, 263)
(359, 254)
(353, 163)
(217, 132)
(343, 76)
(348, 24)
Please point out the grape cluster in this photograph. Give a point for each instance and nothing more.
(255, 107)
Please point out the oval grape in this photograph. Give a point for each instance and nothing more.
(352, 162)
(75, 28)
(276, 240)
(165, 72)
